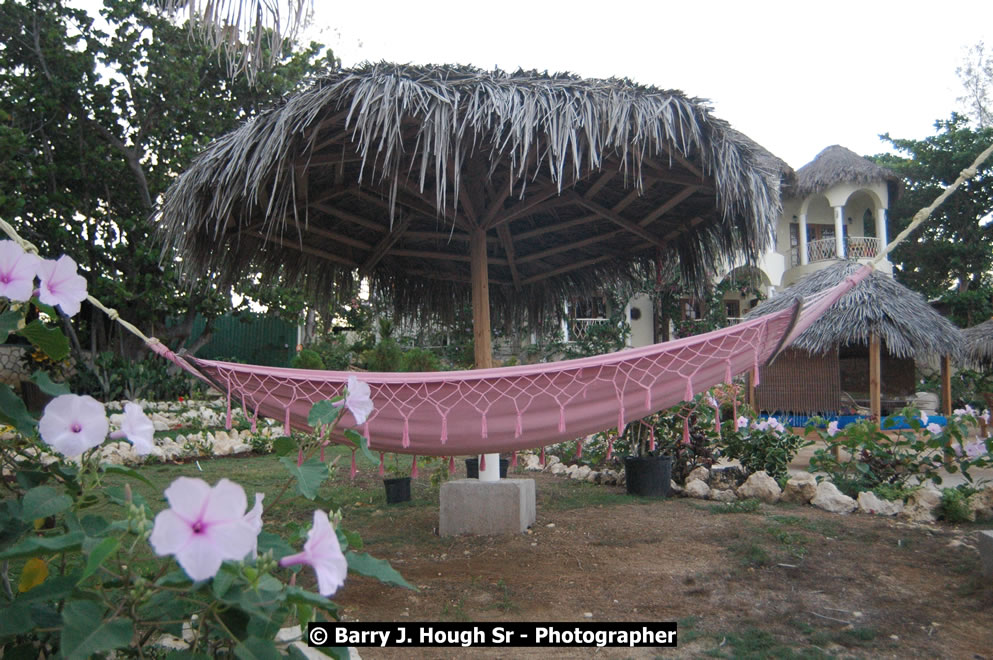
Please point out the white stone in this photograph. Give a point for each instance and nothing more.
(593, 477)
(722, 495)
(532, 462)
(869, 502)
(922, 505)
(696, 488)
(829, 498)
(557, 468)
(675, 488)
(551, 460)
(582, 472)
(698, 474)
(760, 486)
(800, 488)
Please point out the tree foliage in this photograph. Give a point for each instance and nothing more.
(951, 256)
(97, 116)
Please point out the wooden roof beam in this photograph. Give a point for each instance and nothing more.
(306, 249)
(632, 227)
(384, 245)
(351, 217)
(673, 202)
(593, 240)
(508, 247)
(319, 231)
(440, 256)
(566, 269)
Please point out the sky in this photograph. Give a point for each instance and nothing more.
(796, 76)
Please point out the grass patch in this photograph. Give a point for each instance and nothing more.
(738, 506)
(755, 644)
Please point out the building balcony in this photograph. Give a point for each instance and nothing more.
(825, 249)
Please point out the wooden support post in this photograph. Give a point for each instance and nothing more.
(480, 300)
(875, 379)
(750, 392)
(946, 385)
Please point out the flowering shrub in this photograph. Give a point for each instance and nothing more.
(761, 445)
(85, 585)
(862, 456)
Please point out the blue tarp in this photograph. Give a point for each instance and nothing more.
(894, 422)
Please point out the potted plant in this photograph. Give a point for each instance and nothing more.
(647, 472)
(398, 484)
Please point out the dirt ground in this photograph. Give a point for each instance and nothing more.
(780, 581)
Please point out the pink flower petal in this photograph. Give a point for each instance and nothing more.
(357, 399)
(170, 533)
(186, 497)
(61, 285)
(17, 272)
(201, 557)
(226, 501)
(323, 553)
(72, 424)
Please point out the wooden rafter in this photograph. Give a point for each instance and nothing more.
(673, 201)
(384, 245)
(608, 214)
(683, 229)
(566, 269)
(592, 240)
(351, 217)
(668, 175)
(306, 249)
(682, 160)
(439, 256)
(528, 205)
(310, 228)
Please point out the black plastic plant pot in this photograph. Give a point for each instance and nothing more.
(472, 468)
(648, 476)
(397, 490)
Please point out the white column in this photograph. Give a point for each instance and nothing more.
(804, 257)
(565, 322)
(492, 470)
(881, 228)
(839, 231)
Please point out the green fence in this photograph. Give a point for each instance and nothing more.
(248, 338)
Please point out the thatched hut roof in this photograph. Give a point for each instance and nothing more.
(906, 324)
(386, 170)
(979, 344)
(835, 165)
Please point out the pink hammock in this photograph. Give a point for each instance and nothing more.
(510, 408)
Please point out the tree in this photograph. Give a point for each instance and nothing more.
(97, 122)
(976, 75)
(950, 256)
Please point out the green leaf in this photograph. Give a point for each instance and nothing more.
(125, 471)
(50, 341)
(224, 579)
(16, 619)
(309, 476)
(298, 596)
(85, 632)
(14, 413)
(362, 443)
(365, 564)
(322, 413)
(40, 546)
(99, 555)
(284, 445)
(53, 589)
(347, 539)
(280, 548)
(9, 320)
(47, 385)
(254, 648)
(45, 309)
(42, 502)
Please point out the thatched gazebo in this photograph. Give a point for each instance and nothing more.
(445, 185)
(835, 165)
(866, 342)
(979, 345)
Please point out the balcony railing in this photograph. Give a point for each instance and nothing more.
(579, 328)
(857, 247)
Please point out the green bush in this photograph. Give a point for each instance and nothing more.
(386, 355)
(307, 359)
(766, 445)
(419, 359)
(112, 377)
(954, 507)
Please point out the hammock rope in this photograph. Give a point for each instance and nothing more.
(511, 408)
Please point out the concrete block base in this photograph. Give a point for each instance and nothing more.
(986, 552)
(486, 508)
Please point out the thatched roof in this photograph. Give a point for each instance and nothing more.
(835, 165)
(979, 344)
(386, 170)
(906, 324)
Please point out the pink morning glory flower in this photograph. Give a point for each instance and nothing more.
(204, 526)
(137, 428)
(254, 518)
(934, 428)
(61, 285)
(975, 449)
(17, 272)
(742, 422)
(357, 399)
(832, 429)
(73, 424)
(322, 553)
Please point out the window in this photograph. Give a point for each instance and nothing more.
(691, 309)
(732, 309)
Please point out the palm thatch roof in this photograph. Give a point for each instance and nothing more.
(835, 165)
(906, 324)
(979, 344)
(388, 170)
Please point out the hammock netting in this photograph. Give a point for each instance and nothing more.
(510, 408)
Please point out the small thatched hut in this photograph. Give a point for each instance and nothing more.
(444, 185)
(834, 355)
(979, 345)
(835, 165)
